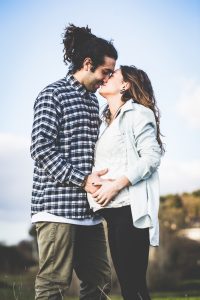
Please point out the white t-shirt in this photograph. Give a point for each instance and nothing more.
(47, 217)
(110, 152)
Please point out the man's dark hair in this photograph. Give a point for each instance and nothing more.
(80, 43)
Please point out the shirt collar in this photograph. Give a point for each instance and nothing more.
(127, 106)
(76, 84)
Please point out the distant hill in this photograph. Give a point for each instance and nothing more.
(178, 211)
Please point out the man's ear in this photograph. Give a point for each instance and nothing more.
(87, 64)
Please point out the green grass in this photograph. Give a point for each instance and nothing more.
(17, 287)
(21, 287)
(175, 298)
(24, 294)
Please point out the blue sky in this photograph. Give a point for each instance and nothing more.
(161, 37)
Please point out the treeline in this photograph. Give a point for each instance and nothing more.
(175, 264)
(180, 211)
(15, 259)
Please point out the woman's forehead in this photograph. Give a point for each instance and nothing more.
(117, 72)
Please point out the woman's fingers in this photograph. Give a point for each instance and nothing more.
(105, 203)
(101, 200)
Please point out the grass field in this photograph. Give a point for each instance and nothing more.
(21, 287)
(24, 294)
(28, 295)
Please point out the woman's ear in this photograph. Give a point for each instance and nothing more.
(126, 85)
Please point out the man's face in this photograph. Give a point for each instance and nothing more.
(114, 84)
(101, 75)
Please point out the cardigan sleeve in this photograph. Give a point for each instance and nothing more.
(144, 146)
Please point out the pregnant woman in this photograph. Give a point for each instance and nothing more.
(129, 145)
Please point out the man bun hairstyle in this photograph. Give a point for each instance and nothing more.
(80, 43)
(74, 39)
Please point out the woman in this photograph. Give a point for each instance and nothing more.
(128, 198)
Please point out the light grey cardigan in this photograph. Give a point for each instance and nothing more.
(138, 126)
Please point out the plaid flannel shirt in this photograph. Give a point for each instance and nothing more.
(65, 130)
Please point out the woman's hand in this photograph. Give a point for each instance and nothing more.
(109, 189)
(106, 192)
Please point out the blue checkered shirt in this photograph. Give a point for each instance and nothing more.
(65, 130)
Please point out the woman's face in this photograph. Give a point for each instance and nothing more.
(113, 85)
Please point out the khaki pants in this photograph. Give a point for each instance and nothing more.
(64, 247)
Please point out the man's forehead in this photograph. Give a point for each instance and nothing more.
(109, 63)
(108, 69)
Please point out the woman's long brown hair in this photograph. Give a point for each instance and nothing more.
(141, 92)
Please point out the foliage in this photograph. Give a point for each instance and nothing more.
(16, 258)
(179, 211)
(173, 266)
(196, 193)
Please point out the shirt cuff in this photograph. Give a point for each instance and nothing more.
(132, 177)
(77, 177)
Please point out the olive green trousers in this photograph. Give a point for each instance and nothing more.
(67, 247)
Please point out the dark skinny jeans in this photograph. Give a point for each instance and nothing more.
(129, 247)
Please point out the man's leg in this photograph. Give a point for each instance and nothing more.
(91, 263)
(56, 247)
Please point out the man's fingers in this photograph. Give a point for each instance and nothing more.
(102, 172)
(98, 183)
(96, 194)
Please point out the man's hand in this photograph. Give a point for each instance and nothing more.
(92, 179)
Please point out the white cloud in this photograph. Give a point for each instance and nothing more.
(8, 140)
(189, 104)
(16, 172)
(179, 176)
(13, 233)
(15, 182)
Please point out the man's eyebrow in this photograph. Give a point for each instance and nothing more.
(110, 70)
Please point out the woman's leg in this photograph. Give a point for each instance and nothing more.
(129, 248)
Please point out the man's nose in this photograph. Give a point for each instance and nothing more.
(105, 79)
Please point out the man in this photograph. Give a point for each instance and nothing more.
(65, 130)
